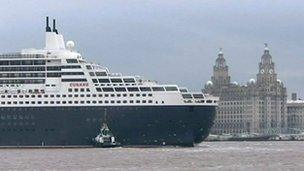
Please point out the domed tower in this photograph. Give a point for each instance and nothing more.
(272, 97)
(220, 76)
(267, 75)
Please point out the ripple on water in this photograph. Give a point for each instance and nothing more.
(207, 155)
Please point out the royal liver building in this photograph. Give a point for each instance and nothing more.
(257, 107)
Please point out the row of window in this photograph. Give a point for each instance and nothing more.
(16, 75)
(23, 81)
(17, 117)
(79, 90)
(135, 89)
(58, 68)
(102, 85)
(190, 96)
(71, 61)
(78, 102)
(59, 74)
(23, 62)
(24, 91)
(114, 80)
(18, 130)
(74, 95)
(51, 74)
(98, 74)
(22, 68)
(198, 101)
(74, 80)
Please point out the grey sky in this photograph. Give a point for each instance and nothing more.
(172, 41)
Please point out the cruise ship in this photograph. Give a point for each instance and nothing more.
(53, 97)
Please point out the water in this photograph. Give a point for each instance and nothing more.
(206, 156)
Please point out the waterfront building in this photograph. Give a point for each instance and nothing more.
(295, 112)
(256, 107)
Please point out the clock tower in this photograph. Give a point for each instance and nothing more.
(220, 76)
(267, 75)
(220, 79)
(272, 97)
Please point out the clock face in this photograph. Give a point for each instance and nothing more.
(270, 71)
(262, 71)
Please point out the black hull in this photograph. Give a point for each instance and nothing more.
(131, 125)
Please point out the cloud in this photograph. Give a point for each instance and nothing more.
(170, 41)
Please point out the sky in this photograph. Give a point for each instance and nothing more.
(171, 41)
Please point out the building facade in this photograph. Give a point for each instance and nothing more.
(257, 107)
(295, 119)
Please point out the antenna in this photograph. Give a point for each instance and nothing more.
(47, 28)
(54, 26)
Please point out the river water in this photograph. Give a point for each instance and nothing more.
(206, 156)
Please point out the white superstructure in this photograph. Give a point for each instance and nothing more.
(58, 75)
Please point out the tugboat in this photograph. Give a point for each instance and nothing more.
(105, 138)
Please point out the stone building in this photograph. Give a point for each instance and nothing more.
(257, 107)
(295, 111)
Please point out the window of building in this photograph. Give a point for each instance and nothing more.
(95, 80)
(116, 80)
(104, 80)
(132, 89)
(107, 89)
(120, 89)
(145, 88)
(158, 89)
(171, 88)
(71, 61)
(101, 74)
(89, 67)
(74, 80)
(129, 80)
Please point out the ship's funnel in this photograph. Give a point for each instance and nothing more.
(47, 28)
(54, 27)
(53, 40)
